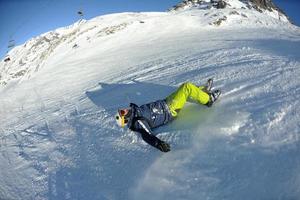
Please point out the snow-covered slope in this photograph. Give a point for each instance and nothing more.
(59, 140)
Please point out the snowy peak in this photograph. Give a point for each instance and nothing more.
(24, 61)
(262, 6)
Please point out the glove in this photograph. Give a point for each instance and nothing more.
(163, 146)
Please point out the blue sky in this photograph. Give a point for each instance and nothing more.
(21, 20)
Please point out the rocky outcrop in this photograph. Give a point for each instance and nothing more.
(196, 3)
(264, 4)
(259, 5)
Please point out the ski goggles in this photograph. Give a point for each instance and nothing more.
(120, 117)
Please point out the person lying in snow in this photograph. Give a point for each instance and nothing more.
(144, 118)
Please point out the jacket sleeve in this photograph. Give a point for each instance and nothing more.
(149, 138)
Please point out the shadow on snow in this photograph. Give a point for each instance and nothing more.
(112, 96)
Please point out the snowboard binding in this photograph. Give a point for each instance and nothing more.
(213, 96)
(208, 85)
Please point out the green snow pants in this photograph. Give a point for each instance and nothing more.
(186, 92)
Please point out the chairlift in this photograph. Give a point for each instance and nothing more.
(11, 44)
(80, 13)
(7, 58)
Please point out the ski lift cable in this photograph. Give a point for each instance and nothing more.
(80, 11)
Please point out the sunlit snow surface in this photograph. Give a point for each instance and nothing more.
(59, 140)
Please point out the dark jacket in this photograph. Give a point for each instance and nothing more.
(148, 116)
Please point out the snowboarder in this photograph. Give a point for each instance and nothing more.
(144, 118)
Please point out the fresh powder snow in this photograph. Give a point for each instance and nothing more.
(60, 92)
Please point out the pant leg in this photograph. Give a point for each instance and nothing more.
(187, 91)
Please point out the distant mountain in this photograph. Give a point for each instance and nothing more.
(24, 61)
(262, 6)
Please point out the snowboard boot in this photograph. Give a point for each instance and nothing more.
(208, 86)
(213, 96)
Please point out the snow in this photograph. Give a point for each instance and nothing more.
(59, 140)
